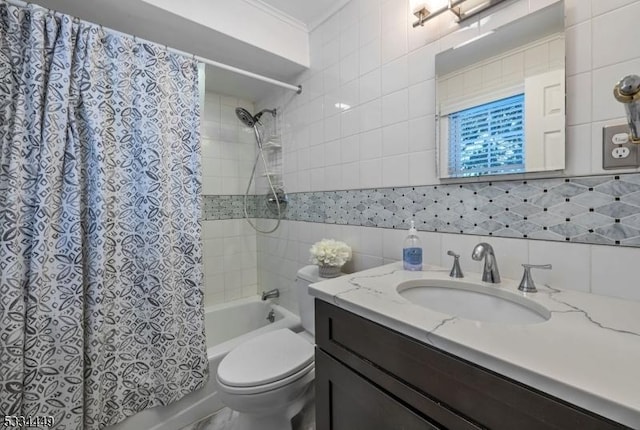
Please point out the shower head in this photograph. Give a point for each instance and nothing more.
(251, 120)
(246, 118)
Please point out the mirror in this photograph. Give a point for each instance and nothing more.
(500, 99)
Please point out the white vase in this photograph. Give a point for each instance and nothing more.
(326, 271)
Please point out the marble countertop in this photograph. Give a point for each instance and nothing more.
(587, 353)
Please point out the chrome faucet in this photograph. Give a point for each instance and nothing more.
(271, 294)
(627, 91)
(490, 272)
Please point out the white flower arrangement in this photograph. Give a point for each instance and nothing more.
(330, 252)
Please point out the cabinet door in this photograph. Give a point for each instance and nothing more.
(346, 401)
(454, 393)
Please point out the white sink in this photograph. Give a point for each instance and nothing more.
(473, 301)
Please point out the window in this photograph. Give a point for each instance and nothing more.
(487, 139)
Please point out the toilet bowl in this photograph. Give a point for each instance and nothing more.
(269, 378)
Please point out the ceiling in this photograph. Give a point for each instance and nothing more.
(158, 25)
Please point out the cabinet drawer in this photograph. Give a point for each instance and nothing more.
(484, 398)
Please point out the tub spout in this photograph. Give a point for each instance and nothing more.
(271, 294)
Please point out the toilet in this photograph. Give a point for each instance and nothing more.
(268, 379)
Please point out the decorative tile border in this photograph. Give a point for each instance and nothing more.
(217, 207)
(595, 210)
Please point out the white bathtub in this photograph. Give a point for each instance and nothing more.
(226, 326)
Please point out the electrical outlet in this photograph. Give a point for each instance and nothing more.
(617, 150)
(620, 152)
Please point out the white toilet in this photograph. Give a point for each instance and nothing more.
(268, 379)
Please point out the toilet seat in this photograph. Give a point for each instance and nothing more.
(266, 362)
(259, 389)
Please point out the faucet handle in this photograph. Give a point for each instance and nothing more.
(526, 284)
(456, 271)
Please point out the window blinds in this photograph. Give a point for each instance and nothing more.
(487, 139)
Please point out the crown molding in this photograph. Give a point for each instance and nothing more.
(330, 12)
(277, 13)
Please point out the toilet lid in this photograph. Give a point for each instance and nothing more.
(265, 359)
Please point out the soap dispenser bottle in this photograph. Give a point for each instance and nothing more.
(412, 250)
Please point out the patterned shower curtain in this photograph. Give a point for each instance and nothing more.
(100, 261)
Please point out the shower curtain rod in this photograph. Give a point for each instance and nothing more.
(296, 88)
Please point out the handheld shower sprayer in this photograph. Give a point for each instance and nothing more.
(277, 198)
(627, 91)
(245, 117)
(251, 120)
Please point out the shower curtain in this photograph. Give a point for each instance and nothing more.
(100, 261)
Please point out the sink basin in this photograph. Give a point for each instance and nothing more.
(473, 301)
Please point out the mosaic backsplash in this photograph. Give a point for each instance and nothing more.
(596, 210)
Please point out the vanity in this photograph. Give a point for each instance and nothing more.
(386, 360)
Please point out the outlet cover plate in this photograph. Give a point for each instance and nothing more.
(612, 153)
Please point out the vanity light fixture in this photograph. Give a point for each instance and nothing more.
(462, 9)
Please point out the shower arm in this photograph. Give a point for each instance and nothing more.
(263, 111)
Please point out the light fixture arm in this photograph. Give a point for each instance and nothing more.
(422, 15)
(455, 10)
(455, 7)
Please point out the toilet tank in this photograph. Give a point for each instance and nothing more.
(307, 275)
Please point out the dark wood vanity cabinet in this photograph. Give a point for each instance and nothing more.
(369, 377)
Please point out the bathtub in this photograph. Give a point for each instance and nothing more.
(226, 325)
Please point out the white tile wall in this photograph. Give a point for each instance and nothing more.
(227, 146)
(395, 128)
(229, 246)
(229, 260)
(614, 272)
(597, 269)
(388, 85)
